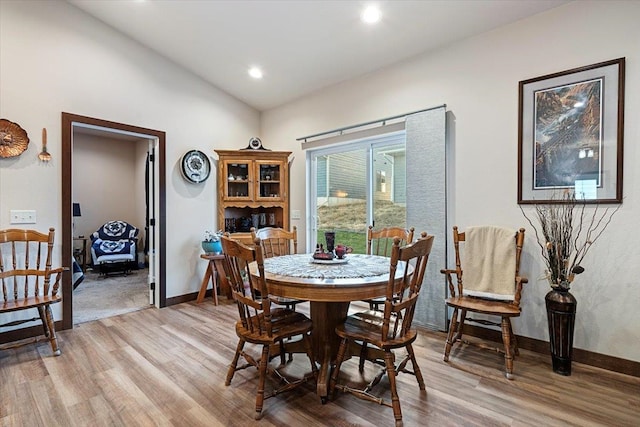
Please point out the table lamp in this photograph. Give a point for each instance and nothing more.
(76, 212)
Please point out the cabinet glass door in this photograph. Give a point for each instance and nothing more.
(238, 180)
(271, 178)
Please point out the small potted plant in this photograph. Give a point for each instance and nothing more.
(211, 243)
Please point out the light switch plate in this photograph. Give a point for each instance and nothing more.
(295, 214)
(23, 216)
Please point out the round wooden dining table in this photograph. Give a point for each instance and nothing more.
(329, 287)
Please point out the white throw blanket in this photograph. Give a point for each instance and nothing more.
(489, 262)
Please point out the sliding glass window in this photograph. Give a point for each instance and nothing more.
(354, 185)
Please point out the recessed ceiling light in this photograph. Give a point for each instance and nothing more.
(255, 72)
(371, 15)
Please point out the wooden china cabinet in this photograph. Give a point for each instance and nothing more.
(253, 190)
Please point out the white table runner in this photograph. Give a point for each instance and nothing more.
(301, 265)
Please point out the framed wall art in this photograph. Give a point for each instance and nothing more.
(570, 128)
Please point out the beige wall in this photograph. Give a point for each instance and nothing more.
(55, 58)
(478, 80)
(106, 182)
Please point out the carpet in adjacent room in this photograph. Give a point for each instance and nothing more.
(99, 297)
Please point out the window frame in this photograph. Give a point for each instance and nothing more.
(312, 154)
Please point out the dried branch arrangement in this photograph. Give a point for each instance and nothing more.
(565, 233)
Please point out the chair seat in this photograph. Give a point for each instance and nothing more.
(375, 301)
(367, 326)
(378, 300)
(289, 303)
(22, 303)
(114, 258)
(284, 322)
(479, 305)
(285, 301)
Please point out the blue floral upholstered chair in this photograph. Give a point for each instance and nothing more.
(114, 247)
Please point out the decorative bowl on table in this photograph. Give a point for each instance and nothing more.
(327, 258)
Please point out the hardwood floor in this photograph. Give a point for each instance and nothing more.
(168, 367)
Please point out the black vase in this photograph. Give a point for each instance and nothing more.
(330, 237)
(561, 316)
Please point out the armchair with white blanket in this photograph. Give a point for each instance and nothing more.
(490, 267)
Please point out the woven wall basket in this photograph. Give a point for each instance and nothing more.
(13, 139)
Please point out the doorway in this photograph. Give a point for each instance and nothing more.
(157, 208)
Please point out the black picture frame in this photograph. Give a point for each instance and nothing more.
(570, 134)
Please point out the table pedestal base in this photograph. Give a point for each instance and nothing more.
(325, 316)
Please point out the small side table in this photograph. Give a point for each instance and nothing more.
(210, 274)
(81, 252)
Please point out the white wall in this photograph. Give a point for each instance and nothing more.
(105, 183)
(478, 80)
(55, 58)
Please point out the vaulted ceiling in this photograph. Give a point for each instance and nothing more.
(301, 46)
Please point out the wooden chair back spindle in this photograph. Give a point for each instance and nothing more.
(276, 241)
(380, 242)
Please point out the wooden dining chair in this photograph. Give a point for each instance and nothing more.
(259, 322)
(389, 329)
(490, 267)
(380, 242)
(278, 242)
(28, 280)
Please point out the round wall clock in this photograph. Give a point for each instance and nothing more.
(195, 166)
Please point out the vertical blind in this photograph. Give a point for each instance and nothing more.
(427, 206)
